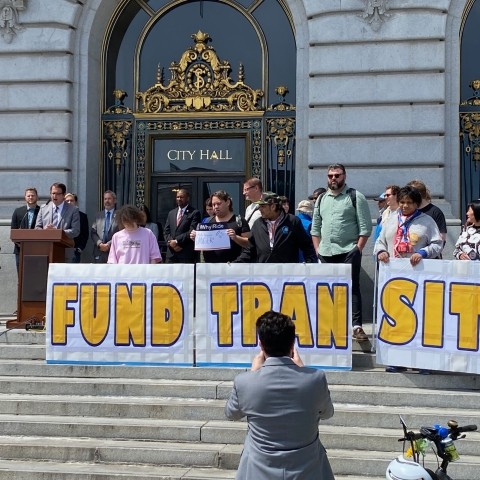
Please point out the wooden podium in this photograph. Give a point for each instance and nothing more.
(38, 248)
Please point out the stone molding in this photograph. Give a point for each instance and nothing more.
(375, 13)
(9, 18)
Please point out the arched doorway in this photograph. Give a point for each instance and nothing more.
(219, 111)
(470, 105)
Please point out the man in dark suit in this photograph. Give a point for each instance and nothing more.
(180, 222)
(283, 402)
(103, 228)
(57, 214)
(81, 239)
(26, 216)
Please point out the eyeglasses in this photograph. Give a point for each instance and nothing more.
(387, 195)
(246, 189)
(334, 175)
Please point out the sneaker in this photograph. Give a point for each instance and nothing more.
(393, 369)
(359, 335)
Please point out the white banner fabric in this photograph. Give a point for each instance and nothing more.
(230, 298)
(428, 315)
(119, 314)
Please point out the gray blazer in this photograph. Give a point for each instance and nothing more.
(69, 219)
(283, 404)
(96, 234)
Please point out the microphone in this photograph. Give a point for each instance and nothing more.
(22, 221)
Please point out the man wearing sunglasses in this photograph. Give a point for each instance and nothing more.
(341, 226)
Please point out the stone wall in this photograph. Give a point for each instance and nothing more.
(377, 92)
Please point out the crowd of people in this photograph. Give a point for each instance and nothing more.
(332, 225)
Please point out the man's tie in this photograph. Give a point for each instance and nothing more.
(30, 217)
(179, 215)
(55, 217)
(106, 227)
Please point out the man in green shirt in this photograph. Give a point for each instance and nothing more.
(341, 226)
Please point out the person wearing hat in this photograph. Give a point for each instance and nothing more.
(381, 202)
(305, 214)
(277, 236)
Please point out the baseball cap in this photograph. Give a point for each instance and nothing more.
(268, 198)
(305, 206)
(380, 197)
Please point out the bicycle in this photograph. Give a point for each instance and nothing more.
(441, 438)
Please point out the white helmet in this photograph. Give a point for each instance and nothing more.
(402, 469)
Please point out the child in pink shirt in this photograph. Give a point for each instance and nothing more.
(133, 244)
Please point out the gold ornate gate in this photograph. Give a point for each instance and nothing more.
(199, 101)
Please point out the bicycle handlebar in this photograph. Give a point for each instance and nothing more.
(431, 433)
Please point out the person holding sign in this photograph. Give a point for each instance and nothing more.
(134, 244)
(467, 246)
(283, 402)
(225, 234)
(410, 233)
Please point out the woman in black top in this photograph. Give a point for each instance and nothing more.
(237, 229)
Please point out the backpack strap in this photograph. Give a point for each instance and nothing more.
(350, 191)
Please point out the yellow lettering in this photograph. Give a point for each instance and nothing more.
(256, 300)
(130, 314)
(224, 302)
(62, 315)
(332, 323)
(464, 302)
(94, 312)
(294, 304)
(167, 315)
(399, 321)
(433, 309)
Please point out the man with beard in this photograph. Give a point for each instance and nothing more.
(341, 226)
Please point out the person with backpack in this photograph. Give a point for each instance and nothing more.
(341, 226)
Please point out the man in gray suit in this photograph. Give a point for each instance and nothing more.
(103, 228)
(59, 214)
(283, 402)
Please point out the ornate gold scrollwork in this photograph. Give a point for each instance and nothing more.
(470, 126)
(199, 82)
(470, 123)
(118, 107)
(118, 131)
(282, 132)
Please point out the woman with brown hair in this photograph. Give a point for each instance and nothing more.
(236, 226)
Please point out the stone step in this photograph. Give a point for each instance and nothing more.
(28, 470)
(22, 352)
(210, 389)
(171, 408)
(41, 470)
(218, 456)
(211, 431)
(37, 368)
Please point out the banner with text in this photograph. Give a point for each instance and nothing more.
(428, 316)
(230, 298)
(120, 314)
